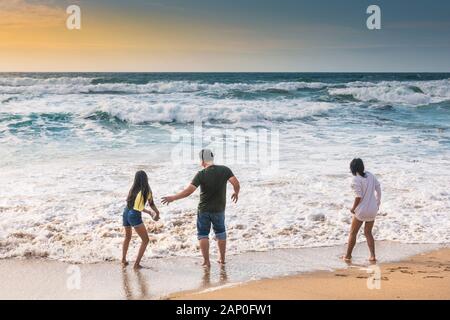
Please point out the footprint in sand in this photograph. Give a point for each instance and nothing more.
(340, 275)
(397, 269)
(437, 277)
(406, 271)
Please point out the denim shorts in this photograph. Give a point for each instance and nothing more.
(204, 221)
(131, 218)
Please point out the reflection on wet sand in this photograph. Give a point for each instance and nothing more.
(134, 289)
(136, 282)
(206, 279)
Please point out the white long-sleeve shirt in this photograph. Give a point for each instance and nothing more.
(368, 189)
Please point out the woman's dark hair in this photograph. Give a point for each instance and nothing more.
(357, 166)
(140, 184)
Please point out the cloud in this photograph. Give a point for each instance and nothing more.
(16, 14)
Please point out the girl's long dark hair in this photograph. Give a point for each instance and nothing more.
(357, 167)
(140, 184)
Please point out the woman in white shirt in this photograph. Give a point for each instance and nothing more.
(365, 207)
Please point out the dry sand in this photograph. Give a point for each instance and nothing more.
(424, 276)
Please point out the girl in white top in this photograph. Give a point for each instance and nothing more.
(367, 192)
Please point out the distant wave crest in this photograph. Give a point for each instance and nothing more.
(67, 85)
(406, 93)
(226, 111)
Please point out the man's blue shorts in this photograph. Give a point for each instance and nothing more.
(204, 221)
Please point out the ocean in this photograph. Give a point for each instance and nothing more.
(71, 143)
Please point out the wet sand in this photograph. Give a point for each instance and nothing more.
(424, 276)
(163, 278)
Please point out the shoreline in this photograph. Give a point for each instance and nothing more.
(180, 277)
(425, 276)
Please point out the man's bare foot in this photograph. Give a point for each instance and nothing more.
(137, 267)
(372, 259)
(221, 261)
(206, 264)
(124, 263)
(346, 258)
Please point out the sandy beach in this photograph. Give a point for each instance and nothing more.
(424, 276)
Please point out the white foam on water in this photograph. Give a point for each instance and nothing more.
(30, 81)
(406, 92)
(178, 108)
(413, 93)
(68, 206)
(68, 85)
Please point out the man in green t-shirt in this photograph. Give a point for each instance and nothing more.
(211, 208)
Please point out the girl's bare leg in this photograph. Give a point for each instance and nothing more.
(368, 226)
(142, 232)
(354, 229)
(126, 243)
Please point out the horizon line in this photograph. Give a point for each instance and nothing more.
(1, 72)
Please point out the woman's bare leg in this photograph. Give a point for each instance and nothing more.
(142, 232)
(126, 243)
(368, 226)
(354, 229)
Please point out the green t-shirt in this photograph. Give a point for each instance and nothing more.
(213, 188)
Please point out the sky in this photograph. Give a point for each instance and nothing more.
(225, 35)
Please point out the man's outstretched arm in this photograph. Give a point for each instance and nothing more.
(183, 194)
(236, 186)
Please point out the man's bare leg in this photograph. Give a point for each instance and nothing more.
(204, 248)
(222, 244)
